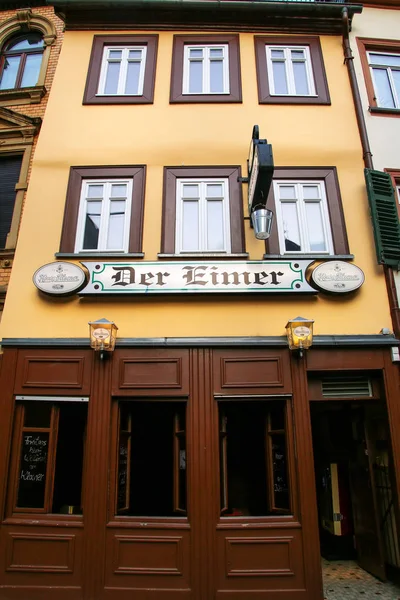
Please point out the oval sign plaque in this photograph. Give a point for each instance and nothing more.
(59, 278)
(338, 277)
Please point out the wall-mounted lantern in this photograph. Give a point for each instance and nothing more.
(260, 169)
(103, 334)
(299, 333)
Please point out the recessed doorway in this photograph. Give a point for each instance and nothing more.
(357, 507)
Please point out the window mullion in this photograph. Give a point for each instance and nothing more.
(104, 216)
(206, 70)
(123, 71)
(289, 72)
(393, 88)
(203, 222)
(302, 218)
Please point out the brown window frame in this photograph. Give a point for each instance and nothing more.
(235, 84)
(171, 174)
(69, 228)
(22, 55)
(380, 45)
(335, 208)
(317, 63)
(395, 176)
(96, 58)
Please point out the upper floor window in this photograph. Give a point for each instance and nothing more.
(21, 59)
(121, 70)
(202, 216)
(202, 212)
(104, 211)
(380, 61)
(309, 215)
(385, 69)
(290, 70)
(302, 217)
(205, 68)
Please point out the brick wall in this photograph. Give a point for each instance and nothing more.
(33, 110)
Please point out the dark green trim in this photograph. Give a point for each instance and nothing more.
(324, 341)
(286, 15)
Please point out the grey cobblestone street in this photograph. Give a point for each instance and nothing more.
(345, 580)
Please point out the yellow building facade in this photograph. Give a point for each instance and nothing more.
(195, 460)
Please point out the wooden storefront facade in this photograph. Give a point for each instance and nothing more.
(172, 472)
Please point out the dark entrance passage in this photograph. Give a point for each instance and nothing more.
(354, 483)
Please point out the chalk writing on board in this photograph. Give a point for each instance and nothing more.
(32, 477)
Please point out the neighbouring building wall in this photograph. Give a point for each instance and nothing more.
(20, 116)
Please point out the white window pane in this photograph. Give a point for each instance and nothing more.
(132, 78)
(135, 54)
(311, 192)
(215, 226)
(117, 207)
(396, 79)
(195, 77)
(297, 54)
(115, 236)
(95, 191)
(290, 224)
(214, 190)
(31, 70)
(287, 192)
(280, 83)
(216, 53)
(196, 53)
(275, 53)
(111, 85)
(315, 227)
(190, 191)
(115, 54)
(92, 226)
(300, 78)
(118, 190)
(216, 76)
(383, 91)
(9, 74)
(385, 59)
(190, 225)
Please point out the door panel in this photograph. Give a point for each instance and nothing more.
(365, 507)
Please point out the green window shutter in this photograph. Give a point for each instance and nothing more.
(385, 218)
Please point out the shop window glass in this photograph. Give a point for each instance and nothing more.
(151, 473)
(48, 476)
(254, 475)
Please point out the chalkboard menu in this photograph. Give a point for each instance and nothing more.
(32, 472)
(123, 462)
(281, 488)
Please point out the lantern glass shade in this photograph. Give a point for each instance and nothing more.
(299, 333)
(103, 334)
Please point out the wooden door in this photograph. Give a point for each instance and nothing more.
(367, 530)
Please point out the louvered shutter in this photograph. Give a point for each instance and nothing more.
(384, 216)
(10, 167)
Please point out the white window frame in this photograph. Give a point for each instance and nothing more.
(301, 214)
(288, 61)
(202, 200)
(125, 60)
(105, 214)
(206, 67)
(388, 69)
